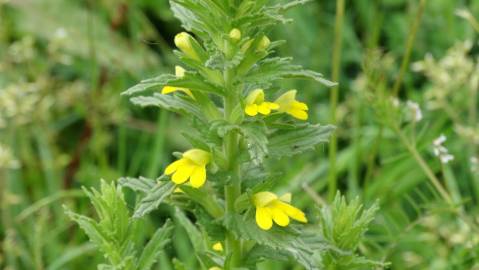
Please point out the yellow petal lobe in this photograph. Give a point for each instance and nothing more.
(280, 217)
(264, 218)
(251, 109)
(183, 173)
(218, 246)
(173, 166)
(198, 177)
(264, 109)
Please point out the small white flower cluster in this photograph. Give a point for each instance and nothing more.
(415, 110)
(441, 151)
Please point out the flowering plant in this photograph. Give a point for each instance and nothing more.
(226, 87)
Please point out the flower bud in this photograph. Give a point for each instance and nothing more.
(183, 41)
(235, 34)
(263, 44)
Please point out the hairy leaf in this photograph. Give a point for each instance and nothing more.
(154, 198)
(288, 142)
(301, 245)
(153, 247)
(173, 103)
(140, 184)
(277, 68)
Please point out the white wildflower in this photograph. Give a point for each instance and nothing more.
(441, 151)
(415, 110)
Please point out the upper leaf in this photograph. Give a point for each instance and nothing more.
(297, 139)
(173, 103)
(272, 69)
(154, 198)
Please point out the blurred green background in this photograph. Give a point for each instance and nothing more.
(63, 124)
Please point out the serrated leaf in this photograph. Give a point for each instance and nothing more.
(170, 102)
(153, 247)
(194, 233)
(256, 140)
(300, 245)
(297, 140)
(141, 184)
(260, 252)
(277, 68)
(154, 198)
(148, 84)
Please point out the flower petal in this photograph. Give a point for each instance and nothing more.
(299, 114)
(168, 89)
(264, 218)
(300, 105)
(197, 156)
(291, 211)
(286, 197)
(174, 166)
(198, 177)
(264, 109)
(218, 246)
(261, 199)
(183, 173)
(255, 97)
(251, 109)
(272, 105)
(280, 217)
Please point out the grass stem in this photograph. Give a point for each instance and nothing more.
(409, 45)
(336, 64)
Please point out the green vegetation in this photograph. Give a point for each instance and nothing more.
(394, 185)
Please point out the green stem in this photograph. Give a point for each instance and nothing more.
(333, 145)
(426, 169)
(233, 188)
(409, 45)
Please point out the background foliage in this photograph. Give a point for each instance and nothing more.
(63, 125)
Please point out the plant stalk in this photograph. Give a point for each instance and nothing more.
(409, 45)
(333, 145)
(233, 188)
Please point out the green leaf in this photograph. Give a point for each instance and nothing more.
(173, 103)
(149, 84)
(260, 252)
(140, 184)
(194, 233)
(288, 142)
(154, 198)
(256, 141)
(277, 68)
(152, 249)
(301, 245)
(344, 224)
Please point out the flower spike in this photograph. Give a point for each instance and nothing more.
(191, 166)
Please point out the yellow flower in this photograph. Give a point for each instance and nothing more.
(218, 247)
(184, 41)
(255, 104)
(270, 207)
(191, 166)
(288, 104)
(214, 268)
(235, 34)
(179, 72)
